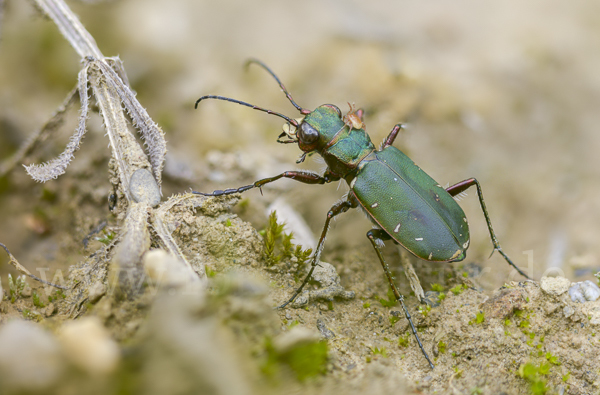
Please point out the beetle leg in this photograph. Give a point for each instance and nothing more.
(392, 136)
(463, 186)
(336, 209)
(305, 177)
(375, 236)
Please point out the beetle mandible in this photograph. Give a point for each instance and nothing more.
(404, 203)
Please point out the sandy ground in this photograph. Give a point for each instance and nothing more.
(504, 92)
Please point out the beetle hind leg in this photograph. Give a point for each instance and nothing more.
(376, 236)
(462, 186)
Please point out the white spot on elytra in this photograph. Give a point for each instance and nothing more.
(430, 255)
(375, 205)
(466, 244)
(353, 182)
(465, 219)
(418, 238)
(395, 179)
(397, 228)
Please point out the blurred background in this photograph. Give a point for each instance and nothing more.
(507, 92)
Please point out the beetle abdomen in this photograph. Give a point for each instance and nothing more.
(411, 206)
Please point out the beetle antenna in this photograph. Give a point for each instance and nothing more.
(287, 94)
(290, 120)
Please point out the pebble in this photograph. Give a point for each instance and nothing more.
(325, 332)
(96, 292)
(431, 298)
(568, 311)
(88, 345)
(555, 285)
(49, 310)
(165, 270)
(26, 292)
(143, 187)
(30, 357)
(584, 291)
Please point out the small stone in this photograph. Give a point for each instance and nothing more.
(503, 303)
(49, 310)
(26, 292)
(165, 270)
(143, 187)
(88, 345)
(431, 298)
(555, 285)
(568, 311)
(97, 291)
(325, 332)
(584, 291)
(550, 308)
(30, 357)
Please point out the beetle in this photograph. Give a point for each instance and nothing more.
(403, 202)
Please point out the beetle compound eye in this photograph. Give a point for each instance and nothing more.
(307, 134)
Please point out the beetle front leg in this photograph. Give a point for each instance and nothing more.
(305, 177)
(376, 237)
(336, 209)
(392, 136)
(463, 186)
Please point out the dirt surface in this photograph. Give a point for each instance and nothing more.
(507, 93)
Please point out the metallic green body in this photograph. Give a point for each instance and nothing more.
(395, 193)
(410, 206)
(342, 149)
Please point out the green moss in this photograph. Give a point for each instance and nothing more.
(390, 301)
(36, 299)
(552, 359)
(305, 360)
(441, 347)
(533, 373)
(379, 351)
(394, 319)
(209, 272)
(479, 318)
(107, 237)
(366, 305)
(424, 310)
(404, 341)
(457, 290)
(437, 288)
(15, 287)
(441, 296)
(278, 245)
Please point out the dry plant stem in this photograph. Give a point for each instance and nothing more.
(167, 241)
(134, 243)
(411, 275)
(13, 261)
(113, 95)
(86, 47)
(39, 135)
(126, 150)
(58, 166)
(70, 27)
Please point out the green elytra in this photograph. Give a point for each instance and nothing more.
(405, 203)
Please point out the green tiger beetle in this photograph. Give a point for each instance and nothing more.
(404, 203)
